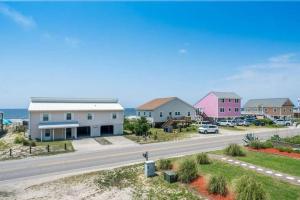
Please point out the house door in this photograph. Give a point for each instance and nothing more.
(69, 133)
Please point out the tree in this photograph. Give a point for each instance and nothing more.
(141, 126)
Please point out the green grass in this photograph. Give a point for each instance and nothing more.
(277, 190)
(279, 163)
(158, 135)
(57, 146)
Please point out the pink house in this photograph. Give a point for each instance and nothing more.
(220, 105)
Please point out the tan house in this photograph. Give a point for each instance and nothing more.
(273, 107)
(65, 118)
(160, 110)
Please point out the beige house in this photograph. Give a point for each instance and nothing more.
(64, 118)
(160, 110)
(273, 107)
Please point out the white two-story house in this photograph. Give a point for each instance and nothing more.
(70, 118)
(159, 110)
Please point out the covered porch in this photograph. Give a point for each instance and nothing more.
(58, 130)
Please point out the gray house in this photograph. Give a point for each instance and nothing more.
(63, 118)
(270, 107)
(160, 110)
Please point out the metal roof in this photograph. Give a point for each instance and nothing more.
(48, 125)
(74, 104)
(270, 102)
(226, 95)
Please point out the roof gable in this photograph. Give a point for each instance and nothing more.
(226, 95)
(155, 103)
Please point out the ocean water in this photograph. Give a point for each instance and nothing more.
(22, 113)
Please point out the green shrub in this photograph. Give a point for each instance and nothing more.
(187, 171)
(256, 144)
(293, 140)
(247, 188)
(202, 159)
(266, 121)
(234, 150)
(19, 139)
(285, 149)
(217, 185)
(268, 144)
(3, 145)
(164, 164)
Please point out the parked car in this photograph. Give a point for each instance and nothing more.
(230, 123)
(259, 123)
(283, 122)
(208, 129)
(241, 122)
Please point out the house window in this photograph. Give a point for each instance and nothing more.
(89, 116)
(160, 114)
(170, 113)
(291, 110)
(47, 132)
(149, 114)
(229, 109)
(222, 110)
(266, 109)
(274, 110)
(139, 113)
(144, 113)
(229, 100)
(45, 117)
(222, 100)
(284, 110)
(189, 113)
(236, 109)
(114, 116)
(68, 116)
(236, 100)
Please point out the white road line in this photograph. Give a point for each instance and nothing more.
(244, 164)
(298, 181)
(230, 160)
(224, 158)
(237, 162)
(252, 167)
(290, 178)
(260, 169)
(278, 175)
(269, 172)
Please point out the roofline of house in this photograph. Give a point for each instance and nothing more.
(72, 100)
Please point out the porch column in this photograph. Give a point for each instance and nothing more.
(65, 133)
(52, 134)
(75, 133)
(41, 135)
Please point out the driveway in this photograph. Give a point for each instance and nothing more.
(90, 144)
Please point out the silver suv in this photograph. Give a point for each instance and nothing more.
(283, 122)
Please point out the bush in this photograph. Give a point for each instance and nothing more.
(20, 128)
(217, 185)
(202, 159)
(164, 164)
(266, 121)
(234, 150)
(247, 188)
(256, 144)
(285, 149)
(187, 171)
(19, 139)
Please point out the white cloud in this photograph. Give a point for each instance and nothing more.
(73, 42)
(182, 51)
(17, 17)
(277, 77)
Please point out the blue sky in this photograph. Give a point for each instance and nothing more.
(139, 51)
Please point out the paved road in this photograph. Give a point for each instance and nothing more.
(30, 168)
